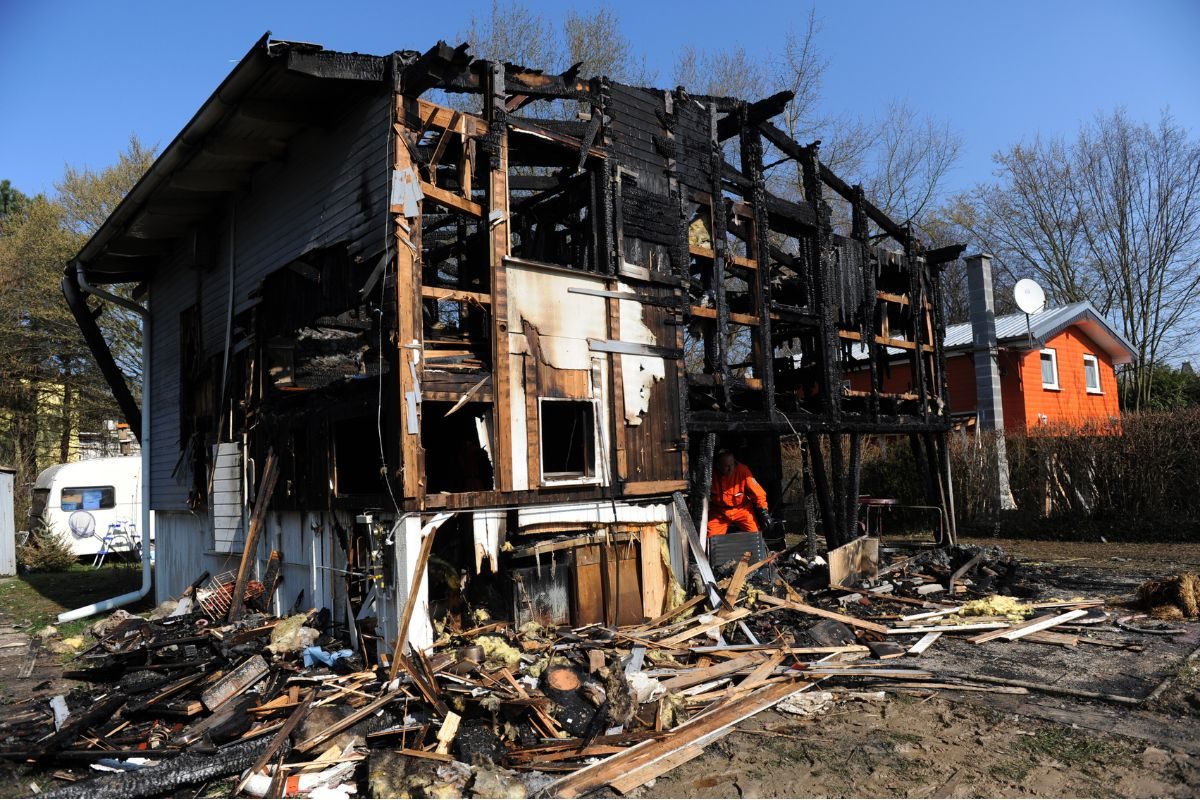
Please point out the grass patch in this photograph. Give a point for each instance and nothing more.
(1069, 748)
(902, 737)
(37, 599)
(1012, 770)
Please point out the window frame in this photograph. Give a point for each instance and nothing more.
(1049, 351)
(1094, 361)
(590, 476)
(105, 492)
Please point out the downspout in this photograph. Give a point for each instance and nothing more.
(129, 597)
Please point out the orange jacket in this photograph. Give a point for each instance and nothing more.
(738, 489)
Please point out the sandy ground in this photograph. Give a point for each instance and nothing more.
(906, 746)
(947, 744)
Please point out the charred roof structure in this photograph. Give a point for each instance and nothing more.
(527, 313)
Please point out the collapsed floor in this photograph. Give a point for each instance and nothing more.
(493, 711)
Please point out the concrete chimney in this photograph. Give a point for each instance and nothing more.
(983, 334)
(989, 401)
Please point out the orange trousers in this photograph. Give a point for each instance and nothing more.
(736, 518)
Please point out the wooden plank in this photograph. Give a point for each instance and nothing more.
(244, 676)
(262, 502)
(698, 676)
(924, 642)
(1042, 624)
(854, 562)
(631, 780)
(704, 312)
(617, 380)
(447, 732)
(971, 627)
(438, 293)
(762, 672)
(414, 585)
(708, 253)
(654, 572)
(498, 249)
(1028, 626)
(654, 487)
(1052, 637)
(853, 622)
(696, 733)
(350, 720)
(622, 588)
(450, 200)
(704, 627)
(409, 336)
(736, 582)
(588, 586)
(674, 612)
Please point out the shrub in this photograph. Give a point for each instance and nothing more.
(1135, 480)
(46, 551)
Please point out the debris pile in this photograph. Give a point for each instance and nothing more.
(283, 709)
(1174, 597)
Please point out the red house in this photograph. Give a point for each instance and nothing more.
(1056, 370)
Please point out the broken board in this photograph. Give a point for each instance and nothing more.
(853, 563)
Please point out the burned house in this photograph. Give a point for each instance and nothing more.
(520, 310)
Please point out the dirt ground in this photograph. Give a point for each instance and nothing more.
(908, 746)
(956, 744)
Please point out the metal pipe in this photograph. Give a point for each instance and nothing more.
(147, 578)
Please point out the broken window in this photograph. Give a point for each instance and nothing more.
(568, 434)
(456, 456)
(356, 459)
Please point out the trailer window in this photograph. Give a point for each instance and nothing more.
(88, 498)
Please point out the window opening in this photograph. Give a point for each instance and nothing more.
(568, 435)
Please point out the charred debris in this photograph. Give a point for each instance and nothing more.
(248, 704)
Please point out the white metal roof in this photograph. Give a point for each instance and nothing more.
(1011, 330)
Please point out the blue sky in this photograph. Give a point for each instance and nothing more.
(79, 78)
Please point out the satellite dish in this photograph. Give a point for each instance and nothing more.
(82, 524)
(1030, 297)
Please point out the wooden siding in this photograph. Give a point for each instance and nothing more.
(1025, 399)
(1071, 404)
(329, 187)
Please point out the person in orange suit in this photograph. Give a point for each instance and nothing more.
(736, 496)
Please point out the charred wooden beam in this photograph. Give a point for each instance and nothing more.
(341, 66)
(753, 114)
(792, 149)
(162, 779)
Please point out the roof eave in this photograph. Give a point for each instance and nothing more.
(222, 102)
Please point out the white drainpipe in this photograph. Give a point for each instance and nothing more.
(129, 597)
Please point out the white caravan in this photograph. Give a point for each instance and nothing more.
(92, 503)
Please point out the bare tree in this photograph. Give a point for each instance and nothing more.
(1031, 220)
(593, 39)
(1113, 218)
(1141, 188)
